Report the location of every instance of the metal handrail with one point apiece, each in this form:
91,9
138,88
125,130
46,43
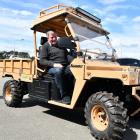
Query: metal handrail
56,7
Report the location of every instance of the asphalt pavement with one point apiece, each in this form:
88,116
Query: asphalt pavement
39,121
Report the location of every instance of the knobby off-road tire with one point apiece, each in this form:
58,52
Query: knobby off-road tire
12,93
105,116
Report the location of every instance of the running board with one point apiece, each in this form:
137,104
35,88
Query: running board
135,112
137,96
60,104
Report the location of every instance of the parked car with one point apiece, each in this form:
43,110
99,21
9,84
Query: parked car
129,62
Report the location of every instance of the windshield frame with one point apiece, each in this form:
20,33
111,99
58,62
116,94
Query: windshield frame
100,31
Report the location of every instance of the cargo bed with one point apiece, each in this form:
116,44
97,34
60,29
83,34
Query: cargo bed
21,69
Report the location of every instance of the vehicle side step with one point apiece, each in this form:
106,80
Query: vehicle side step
60,104
136,94
135,112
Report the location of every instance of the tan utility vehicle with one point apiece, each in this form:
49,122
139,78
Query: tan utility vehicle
105,88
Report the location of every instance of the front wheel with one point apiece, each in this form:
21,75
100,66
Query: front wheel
106,117
12,93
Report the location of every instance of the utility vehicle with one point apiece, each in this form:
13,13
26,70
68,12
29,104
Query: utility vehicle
108,91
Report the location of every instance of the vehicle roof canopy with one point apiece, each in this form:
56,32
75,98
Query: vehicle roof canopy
54,18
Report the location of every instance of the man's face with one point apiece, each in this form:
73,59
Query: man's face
52,39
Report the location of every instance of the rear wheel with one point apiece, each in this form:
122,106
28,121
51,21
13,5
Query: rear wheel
106,117
12,93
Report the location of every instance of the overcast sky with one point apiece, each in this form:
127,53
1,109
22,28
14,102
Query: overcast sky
120,17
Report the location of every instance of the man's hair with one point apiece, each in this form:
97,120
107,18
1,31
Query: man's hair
50,31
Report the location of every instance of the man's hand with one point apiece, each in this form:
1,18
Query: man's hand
57,65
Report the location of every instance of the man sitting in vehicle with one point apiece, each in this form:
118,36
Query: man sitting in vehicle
55,58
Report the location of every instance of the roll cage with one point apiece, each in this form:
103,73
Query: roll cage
60,18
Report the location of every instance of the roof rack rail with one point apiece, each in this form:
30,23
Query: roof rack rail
53,8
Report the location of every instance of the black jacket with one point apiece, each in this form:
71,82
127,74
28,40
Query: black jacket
49,55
